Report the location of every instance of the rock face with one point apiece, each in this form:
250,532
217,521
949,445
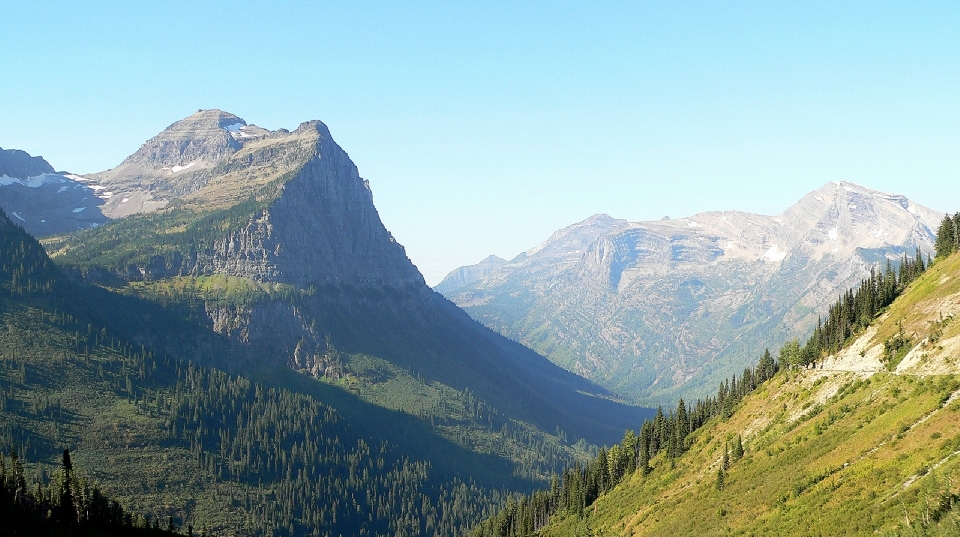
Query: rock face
43,201
657,310
184,158
304,216
322,229
20,165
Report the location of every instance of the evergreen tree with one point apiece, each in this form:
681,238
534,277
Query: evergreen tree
947,236
68,511
682,427
737,452
766,368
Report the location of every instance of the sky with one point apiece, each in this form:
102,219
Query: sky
483,127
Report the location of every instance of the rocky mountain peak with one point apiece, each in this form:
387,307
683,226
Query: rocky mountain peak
842,216
206,136
20,165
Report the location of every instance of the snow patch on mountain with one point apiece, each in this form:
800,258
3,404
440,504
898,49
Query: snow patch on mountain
177,169
32,182
774,255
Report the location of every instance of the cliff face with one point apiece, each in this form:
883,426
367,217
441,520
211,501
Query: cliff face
662,309
322,229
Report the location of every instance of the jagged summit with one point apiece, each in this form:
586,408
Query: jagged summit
289,207
206,136
212,158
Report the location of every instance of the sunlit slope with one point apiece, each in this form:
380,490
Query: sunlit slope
849,448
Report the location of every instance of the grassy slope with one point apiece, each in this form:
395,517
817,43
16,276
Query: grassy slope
827,453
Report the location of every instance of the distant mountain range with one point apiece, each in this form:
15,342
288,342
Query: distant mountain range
663,309
43,201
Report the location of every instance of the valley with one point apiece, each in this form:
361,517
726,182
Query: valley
229,339
251,340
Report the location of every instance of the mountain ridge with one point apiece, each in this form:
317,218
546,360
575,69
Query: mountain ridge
44,201
648,290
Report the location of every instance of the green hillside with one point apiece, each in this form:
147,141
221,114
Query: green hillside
114,378
853,445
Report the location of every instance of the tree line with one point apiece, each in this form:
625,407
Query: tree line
853,312
580,485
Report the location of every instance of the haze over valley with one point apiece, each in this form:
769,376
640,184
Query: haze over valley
488,270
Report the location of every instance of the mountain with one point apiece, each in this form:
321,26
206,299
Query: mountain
183,159
287,213
469,274
46,202
243,344
865,442
20,165
658,310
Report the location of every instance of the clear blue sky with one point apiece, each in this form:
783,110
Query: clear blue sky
485,126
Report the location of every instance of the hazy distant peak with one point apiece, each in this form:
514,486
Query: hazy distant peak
20,165
579,235
846,202
464,276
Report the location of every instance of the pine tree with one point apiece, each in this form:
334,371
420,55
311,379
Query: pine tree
946,242
682,428
737,453
68,511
